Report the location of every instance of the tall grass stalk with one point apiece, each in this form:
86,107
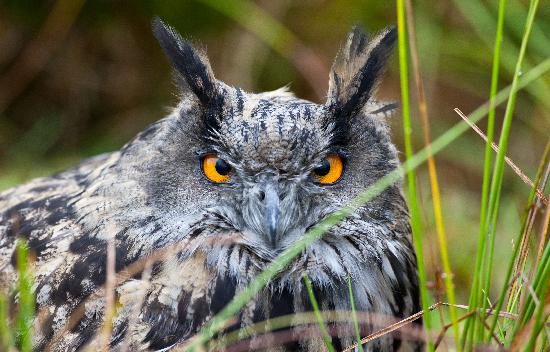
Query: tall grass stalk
434,183
110,287
25,313
413,202
219,321
322,327
498,170
474,296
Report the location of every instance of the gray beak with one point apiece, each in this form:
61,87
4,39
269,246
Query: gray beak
272,211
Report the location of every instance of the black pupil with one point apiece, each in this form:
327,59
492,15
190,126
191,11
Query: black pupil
222,167
322,169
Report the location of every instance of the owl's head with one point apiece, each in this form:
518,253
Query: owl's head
266,167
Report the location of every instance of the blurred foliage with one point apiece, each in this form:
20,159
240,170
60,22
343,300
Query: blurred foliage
104,79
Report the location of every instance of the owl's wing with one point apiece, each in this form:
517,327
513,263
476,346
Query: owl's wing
41,212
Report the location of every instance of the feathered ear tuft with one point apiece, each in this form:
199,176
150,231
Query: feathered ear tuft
357,69
191,64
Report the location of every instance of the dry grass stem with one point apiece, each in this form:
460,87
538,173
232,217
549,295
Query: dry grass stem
543,234
132,319
446,327
530,289
392,327
517,170
299,321
434,183
525,238
110,286
493,335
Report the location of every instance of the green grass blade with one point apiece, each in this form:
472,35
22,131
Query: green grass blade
496,182
473,303
25,313
258,283
354,316
416,224
326,337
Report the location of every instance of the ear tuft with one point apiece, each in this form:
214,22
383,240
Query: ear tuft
191,64
357,70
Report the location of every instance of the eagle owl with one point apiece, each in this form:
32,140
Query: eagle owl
235,178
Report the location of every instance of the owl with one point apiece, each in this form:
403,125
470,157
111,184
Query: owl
223,185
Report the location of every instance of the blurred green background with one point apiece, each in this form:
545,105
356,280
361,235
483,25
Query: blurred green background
78,78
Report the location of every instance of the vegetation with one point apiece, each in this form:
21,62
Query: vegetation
90,91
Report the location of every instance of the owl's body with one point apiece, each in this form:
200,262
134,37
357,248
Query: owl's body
156,195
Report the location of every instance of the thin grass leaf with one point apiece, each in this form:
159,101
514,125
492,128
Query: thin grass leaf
354,316
322,327
414,210
110,287
434,183
474,296
297,319
545,229
219,321
25,313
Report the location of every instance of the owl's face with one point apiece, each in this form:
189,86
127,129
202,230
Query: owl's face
269,165
269,160
234,178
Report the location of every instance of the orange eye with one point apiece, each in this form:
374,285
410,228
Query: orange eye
215,169
330,170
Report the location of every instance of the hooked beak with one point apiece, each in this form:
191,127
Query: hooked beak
272,211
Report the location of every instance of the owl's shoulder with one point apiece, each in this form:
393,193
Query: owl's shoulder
42,208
